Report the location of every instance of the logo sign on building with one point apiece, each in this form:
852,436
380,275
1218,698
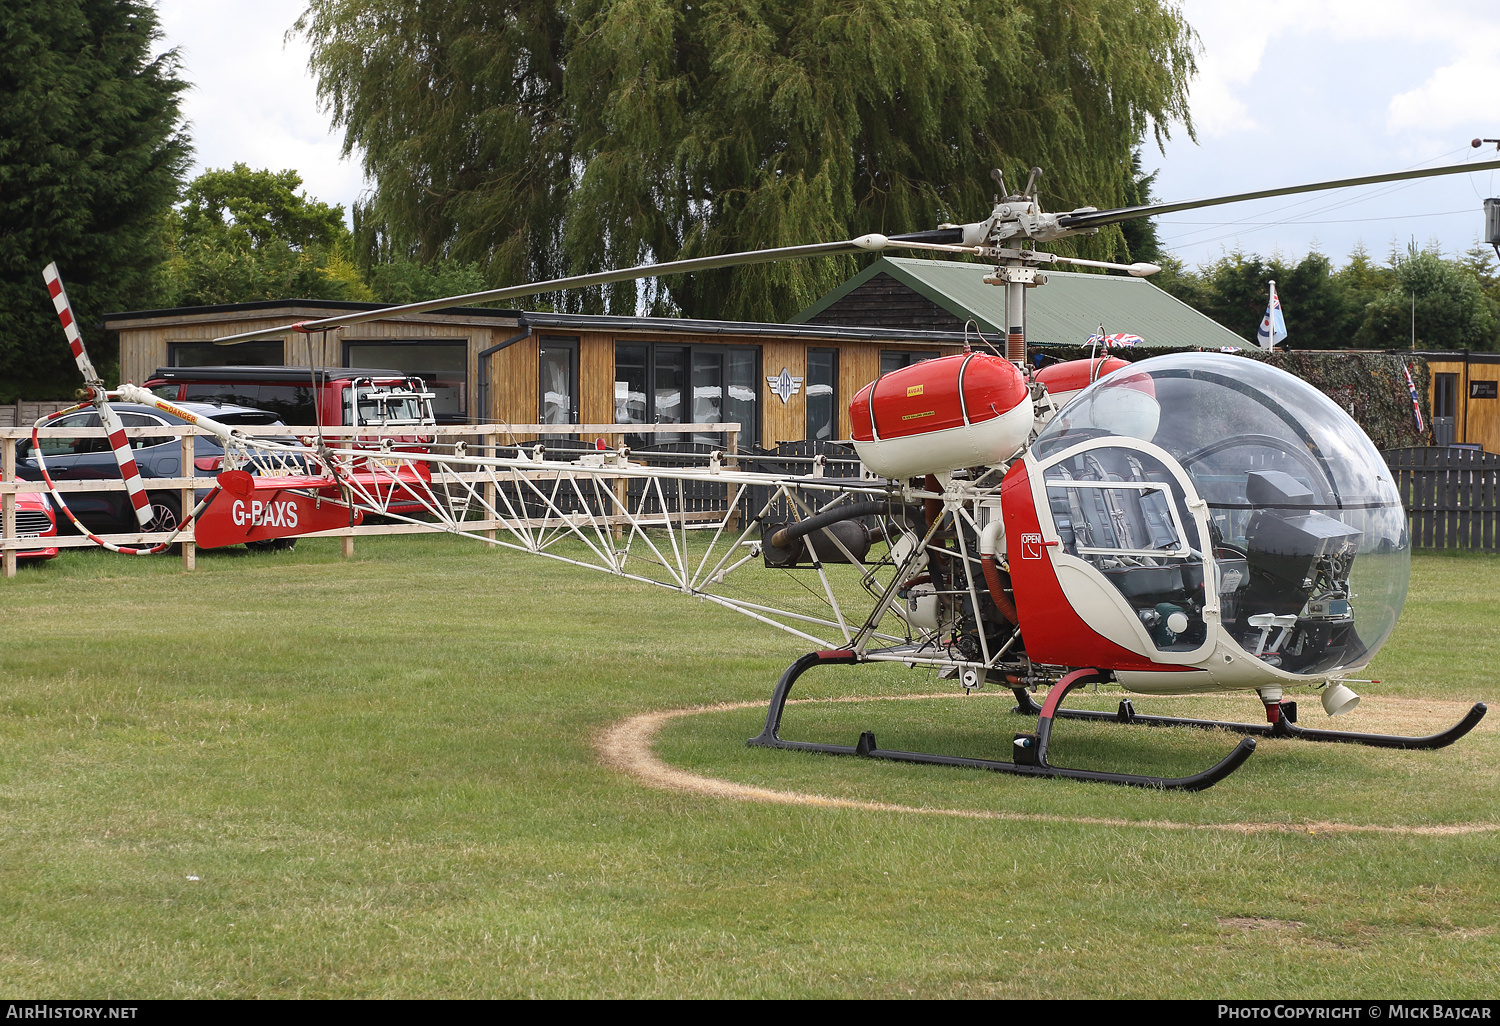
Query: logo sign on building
784,385
1477,389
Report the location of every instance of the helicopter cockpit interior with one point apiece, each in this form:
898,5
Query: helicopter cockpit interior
1307,547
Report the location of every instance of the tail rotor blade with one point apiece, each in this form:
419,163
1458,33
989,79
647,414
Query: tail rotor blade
120,446
70,325
118,443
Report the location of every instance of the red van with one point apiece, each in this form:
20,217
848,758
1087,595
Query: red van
388,401
389,404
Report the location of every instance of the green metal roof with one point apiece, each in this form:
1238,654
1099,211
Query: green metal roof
1065,311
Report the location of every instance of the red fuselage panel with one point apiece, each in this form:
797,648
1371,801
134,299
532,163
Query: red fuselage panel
1053,630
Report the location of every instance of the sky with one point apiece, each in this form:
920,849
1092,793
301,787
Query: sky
1288,91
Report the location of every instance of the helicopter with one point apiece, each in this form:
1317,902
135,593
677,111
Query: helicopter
1191,523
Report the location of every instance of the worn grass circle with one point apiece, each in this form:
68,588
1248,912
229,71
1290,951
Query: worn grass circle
1288,786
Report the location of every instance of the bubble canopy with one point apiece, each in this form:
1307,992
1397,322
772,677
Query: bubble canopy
1281,468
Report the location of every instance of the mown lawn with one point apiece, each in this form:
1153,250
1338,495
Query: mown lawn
291,775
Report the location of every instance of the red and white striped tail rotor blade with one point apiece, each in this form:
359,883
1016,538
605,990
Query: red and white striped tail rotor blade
70,325
120,445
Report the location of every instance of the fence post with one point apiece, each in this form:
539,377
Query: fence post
488,490
187,500
8,502
733,445
621,487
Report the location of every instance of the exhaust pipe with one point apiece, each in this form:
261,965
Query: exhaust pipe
791,532
989,540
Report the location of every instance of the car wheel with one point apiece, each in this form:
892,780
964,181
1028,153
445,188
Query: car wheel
166,513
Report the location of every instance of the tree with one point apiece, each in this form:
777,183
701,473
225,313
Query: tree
1140,236
1363,279
1234,291
243,235
541,139
1479,260
92,152
1439,301
403,280
1325,317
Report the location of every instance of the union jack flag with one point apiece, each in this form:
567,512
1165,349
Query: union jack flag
1416,405
1118,339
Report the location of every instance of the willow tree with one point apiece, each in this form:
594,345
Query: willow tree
539,139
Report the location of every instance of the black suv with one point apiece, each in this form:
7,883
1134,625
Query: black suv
91,459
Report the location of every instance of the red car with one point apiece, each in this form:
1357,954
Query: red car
35,519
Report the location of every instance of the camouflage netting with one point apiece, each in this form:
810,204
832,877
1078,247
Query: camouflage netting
1369,385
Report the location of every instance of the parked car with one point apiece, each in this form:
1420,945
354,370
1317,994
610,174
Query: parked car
35,519
90,459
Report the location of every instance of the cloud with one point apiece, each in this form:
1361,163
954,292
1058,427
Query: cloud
253,99
1234,43
1236,39
1461,93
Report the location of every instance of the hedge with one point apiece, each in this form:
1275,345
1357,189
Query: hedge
1370,386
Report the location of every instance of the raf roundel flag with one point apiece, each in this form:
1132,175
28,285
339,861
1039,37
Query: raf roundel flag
1273,325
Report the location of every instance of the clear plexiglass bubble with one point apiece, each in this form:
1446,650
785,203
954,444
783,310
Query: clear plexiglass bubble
1303,512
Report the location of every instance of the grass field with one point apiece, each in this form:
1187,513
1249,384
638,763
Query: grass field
291,775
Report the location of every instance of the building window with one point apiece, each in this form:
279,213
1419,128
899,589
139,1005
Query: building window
821,389
891,360
206,354
557,384
442,366
657,383
1444,394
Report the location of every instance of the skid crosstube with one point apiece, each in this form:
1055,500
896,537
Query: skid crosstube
1284,726
1031,749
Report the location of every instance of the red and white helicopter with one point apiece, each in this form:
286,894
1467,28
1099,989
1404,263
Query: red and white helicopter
1185,524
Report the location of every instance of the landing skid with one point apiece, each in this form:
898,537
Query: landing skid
1284,724
1031,749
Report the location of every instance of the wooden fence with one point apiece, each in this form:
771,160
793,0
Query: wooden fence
481,439
23,413
1451,495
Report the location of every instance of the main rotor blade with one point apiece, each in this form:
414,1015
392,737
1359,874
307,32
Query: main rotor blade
866,243
1096,218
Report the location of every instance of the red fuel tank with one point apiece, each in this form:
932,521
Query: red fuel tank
1065,380
968,410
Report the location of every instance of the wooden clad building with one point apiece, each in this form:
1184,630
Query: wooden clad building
1465,392
782,382
442,347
